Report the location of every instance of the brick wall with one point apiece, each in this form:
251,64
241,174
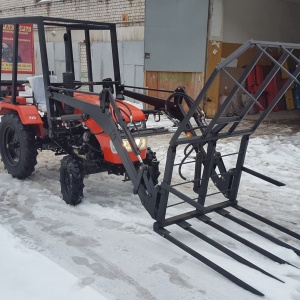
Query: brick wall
94,10
128,14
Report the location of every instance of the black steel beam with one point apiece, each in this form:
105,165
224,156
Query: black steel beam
55,21
239,169
15,64
267,221
279,65
263,177
164,192
279,95
186,226
158,103
182,196
89,58
267,236
217,118
204,140
191,214
46,78
208,165
166,234
70,52
240,239
115,56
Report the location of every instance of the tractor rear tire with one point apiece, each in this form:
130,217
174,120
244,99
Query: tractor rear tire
71,180
17,146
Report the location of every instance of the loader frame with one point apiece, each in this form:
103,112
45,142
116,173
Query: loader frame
200,138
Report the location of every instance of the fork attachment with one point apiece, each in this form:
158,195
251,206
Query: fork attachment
213,186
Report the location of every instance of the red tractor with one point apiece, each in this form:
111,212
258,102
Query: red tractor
63,128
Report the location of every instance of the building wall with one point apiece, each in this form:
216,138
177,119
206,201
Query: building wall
129,16
175,35
236,21
93,10
268,20
175,45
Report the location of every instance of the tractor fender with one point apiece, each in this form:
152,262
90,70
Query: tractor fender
28,114
104,142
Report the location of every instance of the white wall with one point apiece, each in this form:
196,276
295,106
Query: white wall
216,20
175,35
131,57
268,20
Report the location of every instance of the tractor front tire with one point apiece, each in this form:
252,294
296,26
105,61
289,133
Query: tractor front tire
153,164
17,146
71,180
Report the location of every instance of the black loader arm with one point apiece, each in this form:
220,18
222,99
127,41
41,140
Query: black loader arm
141,178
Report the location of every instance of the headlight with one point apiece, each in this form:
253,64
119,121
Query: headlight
140,142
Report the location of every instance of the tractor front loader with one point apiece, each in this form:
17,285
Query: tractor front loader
98,131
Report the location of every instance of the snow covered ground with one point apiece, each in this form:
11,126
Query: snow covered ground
105,248
27,274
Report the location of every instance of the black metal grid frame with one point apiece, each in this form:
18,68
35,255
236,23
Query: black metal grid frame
220,128
225,127
44,22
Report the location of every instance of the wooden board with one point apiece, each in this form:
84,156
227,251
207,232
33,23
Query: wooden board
192,81
289,99
214,53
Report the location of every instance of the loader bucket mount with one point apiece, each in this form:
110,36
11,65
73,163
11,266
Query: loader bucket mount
214,187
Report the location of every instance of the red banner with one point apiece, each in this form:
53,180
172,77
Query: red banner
25,53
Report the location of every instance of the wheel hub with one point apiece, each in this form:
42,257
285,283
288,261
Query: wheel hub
12,143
